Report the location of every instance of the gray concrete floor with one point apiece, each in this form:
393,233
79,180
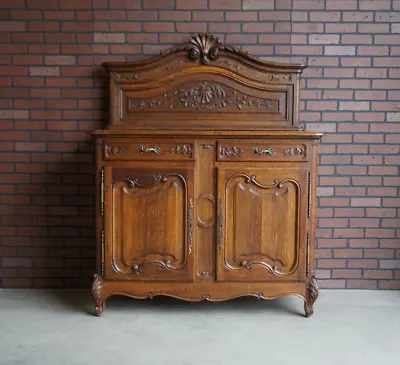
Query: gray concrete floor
43,327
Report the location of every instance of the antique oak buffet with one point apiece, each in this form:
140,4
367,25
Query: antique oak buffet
206,183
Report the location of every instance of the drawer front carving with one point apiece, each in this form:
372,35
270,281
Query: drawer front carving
148,150
262,150
230,151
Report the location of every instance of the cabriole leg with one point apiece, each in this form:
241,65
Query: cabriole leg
312,295
97,292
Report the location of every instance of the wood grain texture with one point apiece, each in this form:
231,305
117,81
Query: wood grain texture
263,229
206,210
200,204
262,150
242,134
150,213
204,84
148,150
196,292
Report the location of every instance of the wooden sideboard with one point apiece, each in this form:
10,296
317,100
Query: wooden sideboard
205,180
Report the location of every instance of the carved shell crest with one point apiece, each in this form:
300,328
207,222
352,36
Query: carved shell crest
205,47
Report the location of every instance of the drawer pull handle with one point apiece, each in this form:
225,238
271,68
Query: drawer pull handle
266,151
156,150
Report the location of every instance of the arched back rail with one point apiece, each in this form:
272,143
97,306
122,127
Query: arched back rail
204,84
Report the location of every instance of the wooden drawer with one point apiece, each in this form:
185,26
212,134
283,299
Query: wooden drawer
262,150
153,150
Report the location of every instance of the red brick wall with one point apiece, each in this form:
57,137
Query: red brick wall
53,93
353,48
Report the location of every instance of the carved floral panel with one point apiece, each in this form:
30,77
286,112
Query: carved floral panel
205,96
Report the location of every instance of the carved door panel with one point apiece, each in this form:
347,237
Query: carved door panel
150,223
262,224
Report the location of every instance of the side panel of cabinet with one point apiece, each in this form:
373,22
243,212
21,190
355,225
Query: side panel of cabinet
149,223
262,223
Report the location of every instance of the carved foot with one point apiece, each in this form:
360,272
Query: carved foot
312,295
98,310
97,292
309,310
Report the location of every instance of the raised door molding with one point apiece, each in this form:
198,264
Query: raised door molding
260,224
152,225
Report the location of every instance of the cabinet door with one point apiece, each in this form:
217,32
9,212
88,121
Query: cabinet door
149,223
262,223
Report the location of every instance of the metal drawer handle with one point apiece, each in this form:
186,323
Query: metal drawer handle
156,150
265,151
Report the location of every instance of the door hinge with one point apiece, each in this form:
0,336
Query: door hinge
308,258
102,251
309,194
221,228
102,192
190,224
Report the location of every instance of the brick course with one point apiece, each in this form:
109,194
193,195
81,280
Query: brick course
54,92
358,152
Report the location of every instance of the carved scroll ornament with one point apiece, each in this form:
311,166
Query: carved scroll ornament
230,151
295,151
115,150
206,49
127,76
184,150
235,66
